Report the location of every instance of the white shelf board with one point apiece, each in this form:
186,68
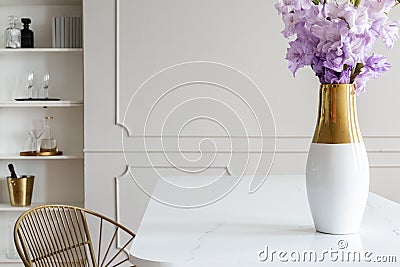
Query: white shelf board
8,207
4,259
40,2
32,104
17,157
5,51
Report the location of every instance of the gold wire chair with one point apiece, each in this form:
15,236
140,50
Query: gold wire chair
60,235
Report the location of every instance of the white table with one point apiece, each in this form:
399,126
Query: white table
237,229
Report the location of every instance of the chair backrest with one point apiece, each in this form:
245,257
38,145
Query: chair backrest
60,235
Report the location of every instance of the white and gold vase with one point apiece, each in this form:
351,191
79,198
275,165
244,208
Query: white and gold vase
337,173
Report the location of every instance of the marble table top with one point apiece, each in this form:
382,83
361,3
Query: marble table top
270,227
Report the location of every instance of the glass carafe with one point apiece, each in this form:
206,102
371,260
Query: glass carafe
12,33
48,143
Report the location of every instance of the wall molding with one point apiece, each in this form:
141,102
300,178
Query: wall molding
105,151
384,151
117,206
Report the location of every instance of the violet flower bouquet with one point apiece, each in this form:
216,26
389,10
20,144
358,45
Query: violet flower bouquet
335,38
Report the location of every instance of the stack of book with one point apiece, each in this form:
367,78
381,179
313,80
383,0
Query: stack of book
67,32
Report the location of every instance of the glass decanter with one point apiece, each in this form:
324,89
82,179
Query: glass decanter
12,33
48,142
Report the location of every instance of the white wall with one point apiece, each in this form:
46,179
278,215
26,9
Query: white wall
155,34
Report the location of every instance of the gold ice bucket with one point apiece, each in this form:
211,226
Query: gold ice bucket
20,190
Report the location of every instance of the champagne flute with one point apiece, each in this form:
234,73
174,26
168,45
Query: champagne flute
46,81
30,84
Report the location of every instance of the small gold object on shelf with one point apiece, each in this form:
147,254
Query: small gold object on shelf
40,153
20,190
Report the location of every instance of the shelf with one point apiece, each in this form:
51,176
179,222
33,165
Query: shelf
33,104
5,51
4,259
8,207
40,2
17,157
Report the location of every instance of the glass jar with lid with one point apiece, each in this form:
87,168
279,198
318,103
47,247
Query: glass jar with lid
12,33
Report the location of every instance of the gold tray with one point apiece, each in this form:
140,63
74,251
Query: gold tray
38,153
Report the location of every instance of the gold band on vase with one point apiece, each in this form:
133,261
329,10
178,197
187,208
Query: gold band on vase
337,121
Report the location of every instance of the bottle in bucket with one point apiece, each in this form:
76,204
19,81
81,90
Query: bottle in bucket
20,188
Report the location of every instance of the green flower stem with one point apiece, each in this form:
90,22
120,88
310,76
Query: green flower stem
356,3
356,71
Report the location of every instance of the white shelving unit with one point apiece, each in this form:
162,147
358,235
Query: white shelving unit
62,157
33,104
58,179
5,260
8,207
7,51
40,2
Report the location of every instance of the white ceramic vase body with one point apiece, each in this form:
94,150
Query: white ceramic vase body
337,173
337,186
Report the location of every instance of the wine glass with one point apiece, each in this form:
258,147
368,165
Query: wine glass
30,84
46,81
35,135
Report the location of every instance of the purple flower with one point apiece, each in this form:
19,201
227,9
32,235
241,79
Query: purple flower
337,59
329,76
379,6
362,21
317,65
343,11
287,6
300,54
335,38
374,66
361,81
330,30
390,33
293,12
345,76
290,6
290,21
